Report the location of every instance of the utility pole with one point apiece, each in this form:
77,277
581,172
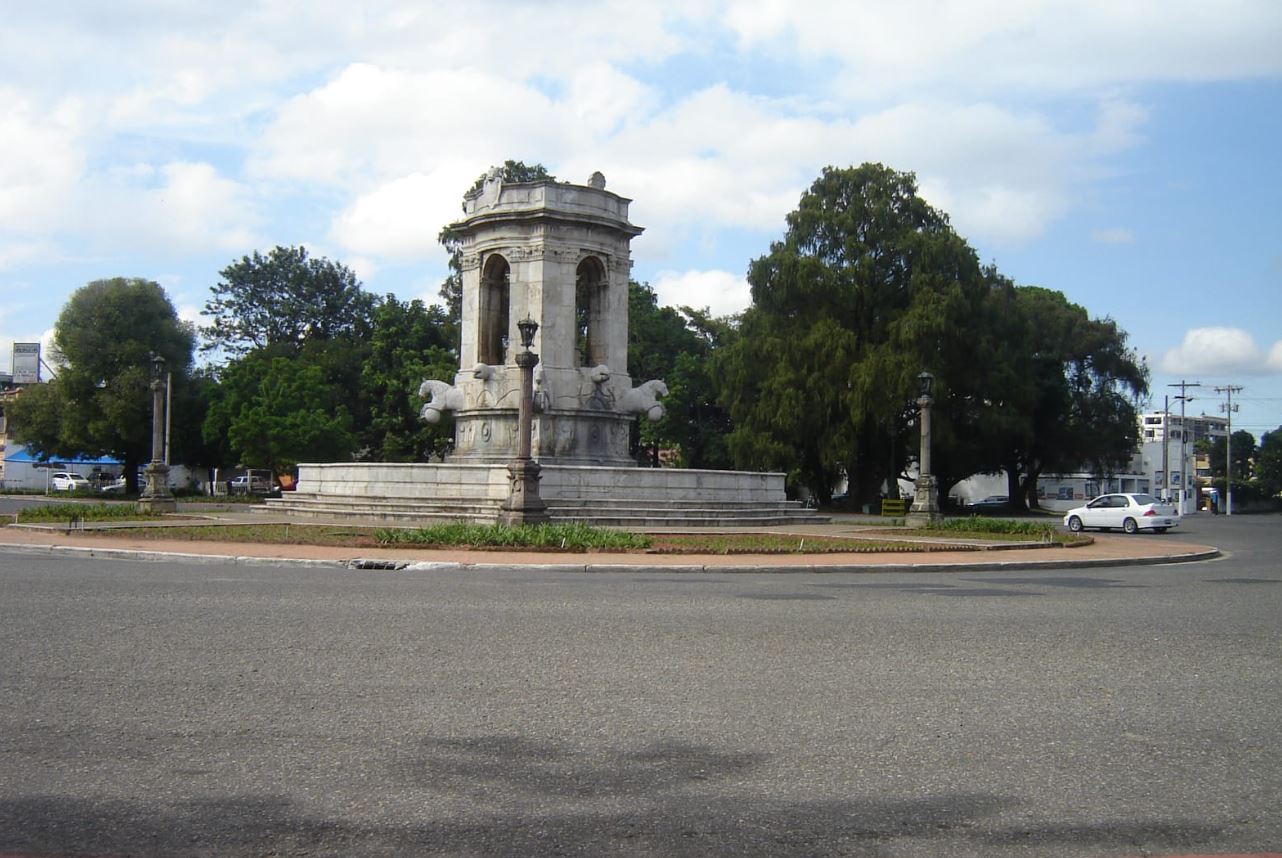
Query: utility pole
1228,408
1183,398
1166,439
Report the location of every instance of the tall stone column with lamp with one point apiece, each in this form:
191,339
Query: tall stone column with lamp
156,496
524,505
926,498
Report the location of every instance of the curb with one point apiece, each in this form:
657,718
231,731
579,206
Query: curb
387,565
162,556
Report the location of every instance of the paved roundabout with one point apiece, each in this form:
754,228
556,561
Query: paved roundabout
1104,550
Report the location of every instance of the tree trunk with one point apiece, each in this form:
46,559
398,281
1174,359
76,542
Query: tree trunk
131,475
1014,490
1029,489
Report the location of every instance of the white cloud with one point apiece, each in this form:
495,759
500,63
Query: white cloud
1221,351
191,313
1274,360
402,218
375,117
185,207
886,50
720,292
40,162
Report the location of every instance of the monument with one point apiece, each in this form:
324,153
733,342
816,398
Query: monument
545,271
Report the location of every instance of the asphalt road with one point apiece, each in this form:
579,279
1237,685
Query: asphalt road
158,709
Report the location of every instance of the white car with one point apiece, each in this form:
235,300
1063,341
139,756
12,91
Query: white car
1128,512
68,481
113,487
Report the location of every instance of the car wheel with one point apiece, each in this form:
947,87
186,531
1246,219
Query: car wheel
1130,526
1075,524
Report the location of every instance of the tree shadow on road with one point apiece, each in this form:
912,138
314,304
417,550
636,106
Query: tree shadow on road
525,797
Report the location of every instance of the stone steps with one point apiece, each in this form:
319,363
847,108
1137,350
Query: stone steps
605,512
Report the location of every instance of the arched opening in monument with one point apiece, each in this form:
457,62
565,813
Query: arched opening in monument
495,301
589,311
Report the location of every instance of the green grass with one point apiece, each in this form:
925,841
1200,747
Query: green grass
57,512
778,543
980,525
576,538
995,530
559,537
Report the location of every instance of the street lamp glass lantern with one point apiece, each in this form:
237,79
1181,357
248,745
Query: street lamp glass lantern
528,328
925,381
157,365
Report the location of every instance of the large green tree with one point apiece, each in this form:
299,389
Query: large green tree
276,411
308,311
1268,462
285,298
1071,393
1243,450
410,342
865,290
100,401
674,345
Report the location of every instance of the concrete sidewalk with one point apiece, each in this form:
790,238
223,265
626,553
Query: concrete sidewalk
112,541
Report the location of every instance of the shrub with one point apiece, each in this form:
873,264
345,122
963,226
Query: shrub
82,511
977,524
563,537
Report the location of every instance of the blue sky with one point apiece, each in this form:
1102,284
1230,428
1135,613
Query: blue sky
1128,154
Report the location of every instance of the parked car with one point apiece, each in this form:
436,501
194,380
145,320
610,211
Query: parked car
995,503
254,482
1128,512
68,481
113,487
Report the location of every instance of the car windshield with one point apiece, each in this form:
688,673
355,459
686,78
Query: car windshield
1141,500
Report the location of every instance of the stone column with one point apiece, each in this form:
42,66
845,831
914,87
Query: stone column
926,497
155,497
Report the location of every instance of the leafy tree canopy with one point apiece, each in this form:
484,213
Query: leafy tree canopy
100,401
1071,396
676,346
1243,451
864,290
410,342
1268,462
276,412
285,298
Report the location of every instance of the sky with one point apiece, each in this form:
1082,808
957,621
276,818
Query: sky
1127,153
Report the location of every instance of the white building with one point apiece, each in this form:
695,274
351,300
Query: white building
1160,425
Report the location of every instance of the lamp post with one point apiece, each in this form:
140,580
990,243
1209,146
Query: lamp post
155,495
524,506
926,497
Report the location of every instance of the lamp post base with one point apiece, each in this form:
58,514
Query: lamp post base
524,506
155,497
925,502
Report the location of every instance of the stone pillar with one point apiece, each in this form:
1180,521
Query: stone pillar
155,497
926,497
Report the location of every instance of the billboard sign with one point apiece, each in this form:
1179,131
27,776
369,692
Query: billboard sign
26,363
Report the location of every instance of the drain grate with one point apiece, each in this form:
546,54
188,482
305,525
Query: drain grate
387,565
